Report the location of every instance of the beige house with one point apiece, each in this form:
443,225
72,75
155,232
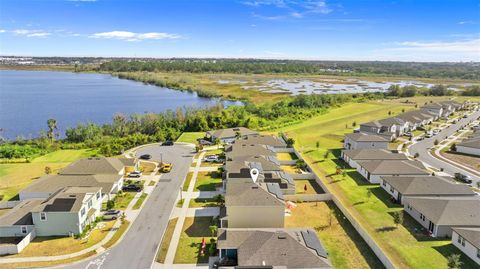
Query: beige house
268,140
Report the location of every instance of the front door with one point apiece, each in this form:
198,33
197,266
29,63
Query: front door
399,198
431,227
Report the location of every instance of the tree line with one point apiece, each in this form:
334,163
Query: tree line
436,90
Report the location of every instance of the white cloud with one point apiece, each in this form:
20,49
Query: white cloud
296,9
472,46
2,31
466,22
30,33
131,36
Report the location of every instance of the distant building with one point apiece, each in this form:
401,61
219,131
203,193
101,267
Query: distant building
365,141
229,135
470,146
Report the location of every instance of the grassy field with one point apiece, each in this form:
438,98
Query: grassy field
14,177
207,181
53,246
167,237
140,201
345,247
202,202
189,245
190,137
122,201
374,212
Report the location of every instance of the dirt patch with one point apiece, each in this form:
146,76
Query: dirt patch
466,160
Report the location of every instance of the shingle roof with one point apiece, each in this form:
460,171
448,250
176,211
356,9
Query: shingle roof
394,167
250,194
231,132
472,235
52,183
262,140
128,161
433,105
362,137
69,199
20,214
385,122
415,116
237,150
93,165
427,186
373,154
280,248
269,163
458,211
471,143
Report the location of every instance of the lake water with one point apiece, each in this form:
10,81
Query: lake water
29,98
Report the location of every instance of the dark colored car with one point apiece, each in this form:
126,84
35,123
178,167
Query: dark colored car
145,157
133,188
463,178
167,143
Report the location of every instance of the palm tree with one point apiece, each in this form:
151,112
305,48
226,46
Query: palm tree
52,128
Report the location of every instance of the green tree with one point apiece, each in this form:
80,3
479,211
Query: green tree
453,147
48,170
52,129
290,142
110,204
317,144
398,217
454,261
213,229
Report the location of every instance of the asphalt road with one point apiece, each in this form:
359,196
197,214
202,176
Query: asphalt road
423,148
138,247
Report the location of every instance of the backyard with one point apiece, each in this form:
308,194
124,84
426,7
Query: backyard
190,137
189,245
368,203
311,187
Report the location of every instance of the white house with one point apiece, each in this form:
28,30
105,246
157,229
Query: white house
365,141
353,156
393,127
373,171
467,240
470,146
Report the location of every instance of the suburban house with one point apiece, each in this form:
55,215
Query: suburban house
269,163
353,156
130,164
251,205
390,127
373,171
470,145
271,248
416,119
435,109
440,214
239,150
68,211
45,186
95,165
468,241
454,105
401,187
365,141
18,222
268,140
229,135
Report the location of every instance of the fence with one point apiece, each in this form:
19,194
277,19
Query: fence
287,162
308,197
9,204
17,248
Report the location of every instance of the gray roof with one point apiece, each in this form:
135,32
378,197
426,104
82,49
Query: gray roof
471,143
69,199
394,167
451,103
237,150
280,248
230,132
269,140
458,211
94,165
362,137
250,194
432,105
373,154
128,161
415,116
385,122
20,214
472,235
52,183
269,163
427,186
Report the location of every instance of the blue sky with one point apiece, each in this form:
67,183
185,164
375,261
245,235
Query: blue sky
420,30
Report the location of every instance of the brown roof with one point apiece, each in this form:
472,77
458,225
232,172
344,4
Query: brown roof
20,214
458,211
268,140
394,167
470,143
280,248
238,150
128,161
373,154
427,185
231,132
472,235
94,165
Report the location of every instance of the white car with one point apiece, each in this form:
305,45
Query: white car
136,174
212,159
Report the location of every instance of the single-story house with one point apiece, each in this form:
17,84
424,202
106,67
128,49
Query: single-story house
416,119
18,222
365,141
45,186
393,126
470,146
400,187
68,211
353,156
373,171
253,205
229,135
468,241
268,140
269,163
95,166
130,164
440,214
271,248
239,150
435,109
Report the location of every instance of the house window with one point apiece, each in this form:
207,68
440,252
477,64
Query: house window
43,216
478,252
98,195
24,229
409,207
384,183
461,240
90,203
391,189
422,217
82,212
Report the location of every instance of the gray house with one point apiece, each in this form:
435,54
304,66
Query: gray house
440,214
353,156
240,150
250,205
271,248
467,240
268,140
435,109
416,119
373,171
365,141
391,127
18,222
401,187
68,211
228,135
95,166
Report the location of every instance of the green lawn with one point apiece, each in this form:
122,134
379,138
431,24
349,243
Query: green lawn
122,201
187,181
14,177
407,250
312,187
140,201
189,245
167,237
190,137
202,202
286,156
207,181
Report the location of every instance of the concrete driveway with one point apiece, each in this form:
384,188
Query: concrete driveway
423,148
139,245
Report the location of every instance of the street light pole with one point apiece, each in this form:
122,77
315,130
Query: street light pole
181,198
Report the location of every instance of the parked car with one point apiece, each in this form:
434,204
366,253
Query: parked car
133,188
463,178
429,134
166,167
145,157
136,174
436,131
408,134
420,138
112,214
211,159
167,143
